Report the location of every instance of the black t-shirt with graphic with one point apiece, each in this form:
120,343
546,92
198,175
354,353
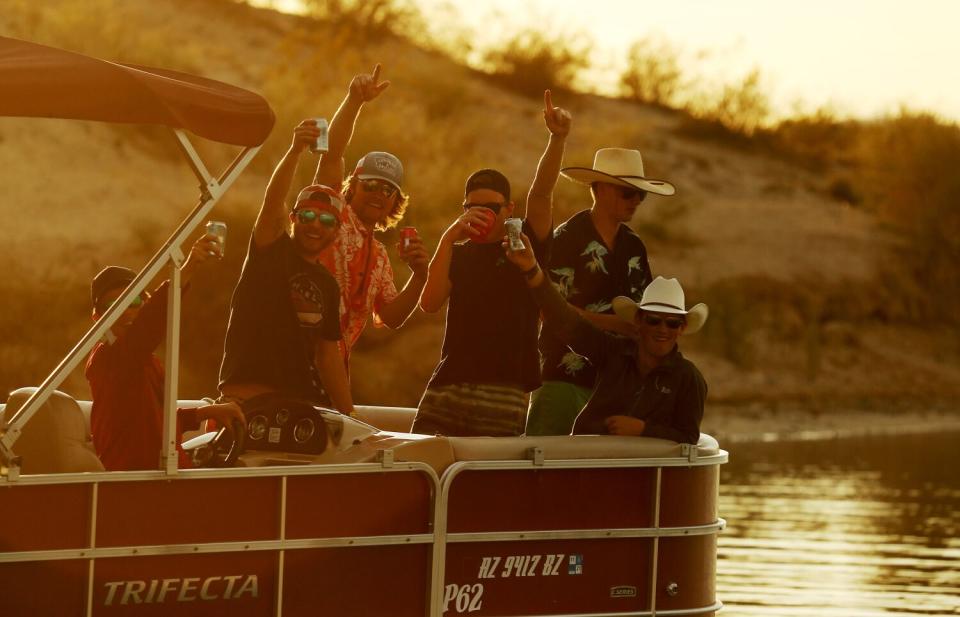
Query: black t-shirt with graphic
492,319
589,276
282,306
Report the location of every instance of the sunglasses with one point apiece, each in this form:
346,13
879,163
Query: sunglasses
137,302
492,205
374,186
324,218
631,193
654,321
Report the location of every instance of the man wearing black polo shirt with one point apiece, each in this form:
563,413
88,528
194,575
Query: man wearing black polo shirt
594,258
489,360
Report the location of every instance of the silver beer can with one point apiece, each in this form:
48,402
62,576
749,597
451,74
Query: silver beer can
218,229
323,139
514,226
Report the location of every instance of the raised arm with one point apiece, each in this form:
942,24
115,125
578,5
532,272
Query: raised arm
272,219
364,87
540,198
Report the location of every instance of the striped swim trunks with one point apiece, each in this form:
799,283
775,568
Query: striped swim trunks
470,410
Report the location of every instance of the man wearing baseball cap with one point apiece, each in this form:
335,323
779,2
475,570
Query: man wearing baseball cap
644,385
373,201
284,330
595,257
126,377
489,359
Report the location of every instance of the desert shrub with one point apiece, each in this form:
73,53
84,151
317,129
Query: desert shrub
741,107
910,179
653,74
816,140
531,61
842,189
363,20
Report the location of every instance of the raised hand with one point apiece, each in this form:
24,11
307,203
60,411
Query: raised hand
305,135
367,86
524,260
557,119
474,223
415,256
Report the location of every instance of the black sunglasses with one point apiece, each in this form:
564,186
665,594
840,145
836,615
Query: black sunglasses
371,185
630,193
655,320
324,218
492,205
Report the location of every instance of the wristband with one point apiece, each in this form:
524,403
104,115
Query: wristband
532,272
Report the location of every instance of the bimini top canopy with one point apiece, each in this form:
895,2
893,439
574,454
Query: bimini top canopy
40,81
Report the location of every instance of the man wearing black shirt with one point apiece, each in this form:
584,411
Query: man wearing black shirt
489,360
284,323
595,257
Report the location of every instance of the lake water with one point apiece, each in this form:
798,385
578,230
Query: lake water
857,527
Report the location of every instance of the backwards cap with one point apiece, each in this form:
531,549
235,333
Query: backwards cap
110,278
488,179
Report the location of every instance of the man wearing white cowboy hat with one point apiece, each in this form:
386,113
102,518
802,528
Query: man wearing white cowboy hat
644,385
595,257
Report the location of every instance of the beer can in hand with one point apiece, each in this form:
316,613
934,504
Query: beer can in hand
218,229
406,235
323,139
514,226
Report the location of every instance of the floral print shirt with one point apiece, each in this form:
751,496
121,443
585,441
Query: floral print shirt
589,276
361,266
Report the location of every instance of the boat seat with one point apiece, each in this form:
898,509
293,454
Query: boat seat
559,447
56,439
394,419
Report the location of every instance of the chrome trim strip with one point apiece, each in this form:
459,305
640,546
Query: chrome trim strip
236,472
587,534
212,547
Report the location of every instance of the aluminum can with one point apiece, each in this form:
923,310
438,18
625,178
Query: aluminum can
323,139
218,229
406,235
514,226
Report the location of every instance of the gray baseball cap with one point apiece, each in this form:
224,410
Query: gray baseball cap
382,166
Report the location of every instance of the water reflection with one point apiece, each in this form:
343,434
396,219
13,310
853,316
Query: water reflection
851,527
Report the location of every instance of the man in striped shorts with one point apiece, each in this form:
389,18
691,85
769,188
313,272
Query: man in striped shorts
489,360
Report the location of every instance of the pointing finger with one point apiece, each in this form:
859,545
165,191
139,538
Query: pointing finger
376,72
547,101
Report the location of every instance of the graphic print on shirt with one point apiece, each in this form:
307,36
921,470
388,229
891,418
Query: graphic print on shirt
307,300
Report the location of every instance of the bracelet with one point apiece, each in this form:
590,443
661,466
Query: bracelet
532,272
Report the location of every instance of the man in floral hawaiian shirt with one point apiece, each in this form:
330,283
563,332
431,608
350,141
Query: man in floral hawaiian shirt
375,201
595,257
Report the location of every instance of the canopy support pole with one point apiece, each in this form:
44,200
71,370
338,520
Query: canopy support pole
170,253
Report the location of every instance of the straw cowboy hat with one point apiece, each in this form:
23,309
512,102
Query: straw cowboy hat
662,296
621,167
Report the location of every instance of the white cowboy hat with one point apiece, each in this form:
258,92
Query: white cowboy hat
621,167
662,296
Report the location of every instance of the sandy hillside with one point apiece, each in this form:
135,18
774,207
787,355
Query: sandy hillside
753,236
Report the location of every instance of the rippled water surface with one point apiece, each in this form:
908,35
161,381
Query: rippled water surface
851,527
